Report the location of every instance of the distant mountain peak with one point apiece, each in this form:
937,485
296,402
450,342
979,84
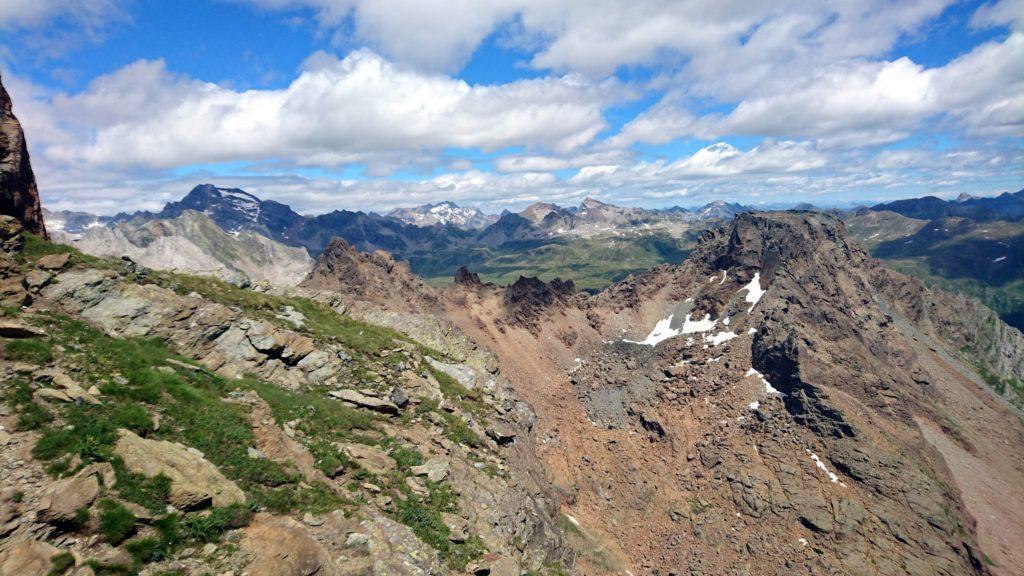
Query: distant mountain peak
443,213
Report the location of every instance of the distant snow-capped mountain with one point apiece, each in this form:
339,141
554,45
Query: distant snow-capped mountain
449,213
73,223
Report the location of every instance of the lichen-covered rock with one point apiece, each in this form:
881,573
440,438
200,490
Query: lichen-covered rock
195,482
396,551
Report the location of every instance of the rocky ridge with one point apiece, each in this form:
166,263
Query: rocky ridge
411,461
814,411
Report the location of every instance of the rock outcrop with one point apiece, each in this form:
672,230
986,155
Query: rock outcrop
19,196
195,482
375,279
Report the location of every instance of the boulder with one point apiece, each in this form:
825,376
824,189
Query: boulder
15,329
54,261
435,469
65,497
370,458
282,546
27,558
37,279
502,433
364,401
195,482
462,373
396,551
68,386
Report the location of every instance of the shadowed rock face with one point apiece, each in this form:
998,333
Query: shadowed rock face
530,298
18,194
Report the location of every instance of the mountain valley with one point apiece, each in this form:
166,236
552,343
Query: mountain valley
230,387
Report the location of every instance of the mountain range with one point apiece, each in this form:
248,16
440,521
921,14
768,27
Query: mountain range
775,401
435,239
1006,206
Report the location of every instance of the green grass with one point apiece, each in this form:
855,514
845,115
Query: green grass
591,263
61,563
31,351
117,523
190,404
323,420
151,493
31,415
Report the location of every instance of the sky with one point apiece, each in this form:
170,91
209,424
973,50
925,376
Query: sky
373,104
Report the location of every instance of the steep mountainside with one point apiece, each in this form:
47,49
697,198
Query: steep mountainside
374,279
235,210
982,259
779,403
193,242
19,196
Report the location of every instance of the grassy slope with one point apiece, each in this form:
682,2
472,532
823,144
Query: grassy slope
592,263
137,383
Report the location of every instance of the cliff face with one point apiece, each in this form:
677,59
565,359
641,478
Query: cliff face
18,194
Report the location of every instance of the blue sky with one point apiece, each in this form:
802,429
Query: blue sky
364,104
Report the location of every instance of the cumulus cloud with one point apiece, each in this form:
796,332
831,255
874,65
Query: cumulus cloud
860,102
817,89
358,109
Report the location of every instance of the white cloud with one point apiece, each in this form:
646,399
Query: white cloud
859,102
34,13
1000,13
359,109
722,159
552,163
598,37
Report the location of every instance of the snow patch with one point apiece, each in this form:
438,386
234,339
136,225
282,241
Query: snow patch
754,291
754,405
752,331
831,475
1000,259
663,330
768,388
717,339
573,520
